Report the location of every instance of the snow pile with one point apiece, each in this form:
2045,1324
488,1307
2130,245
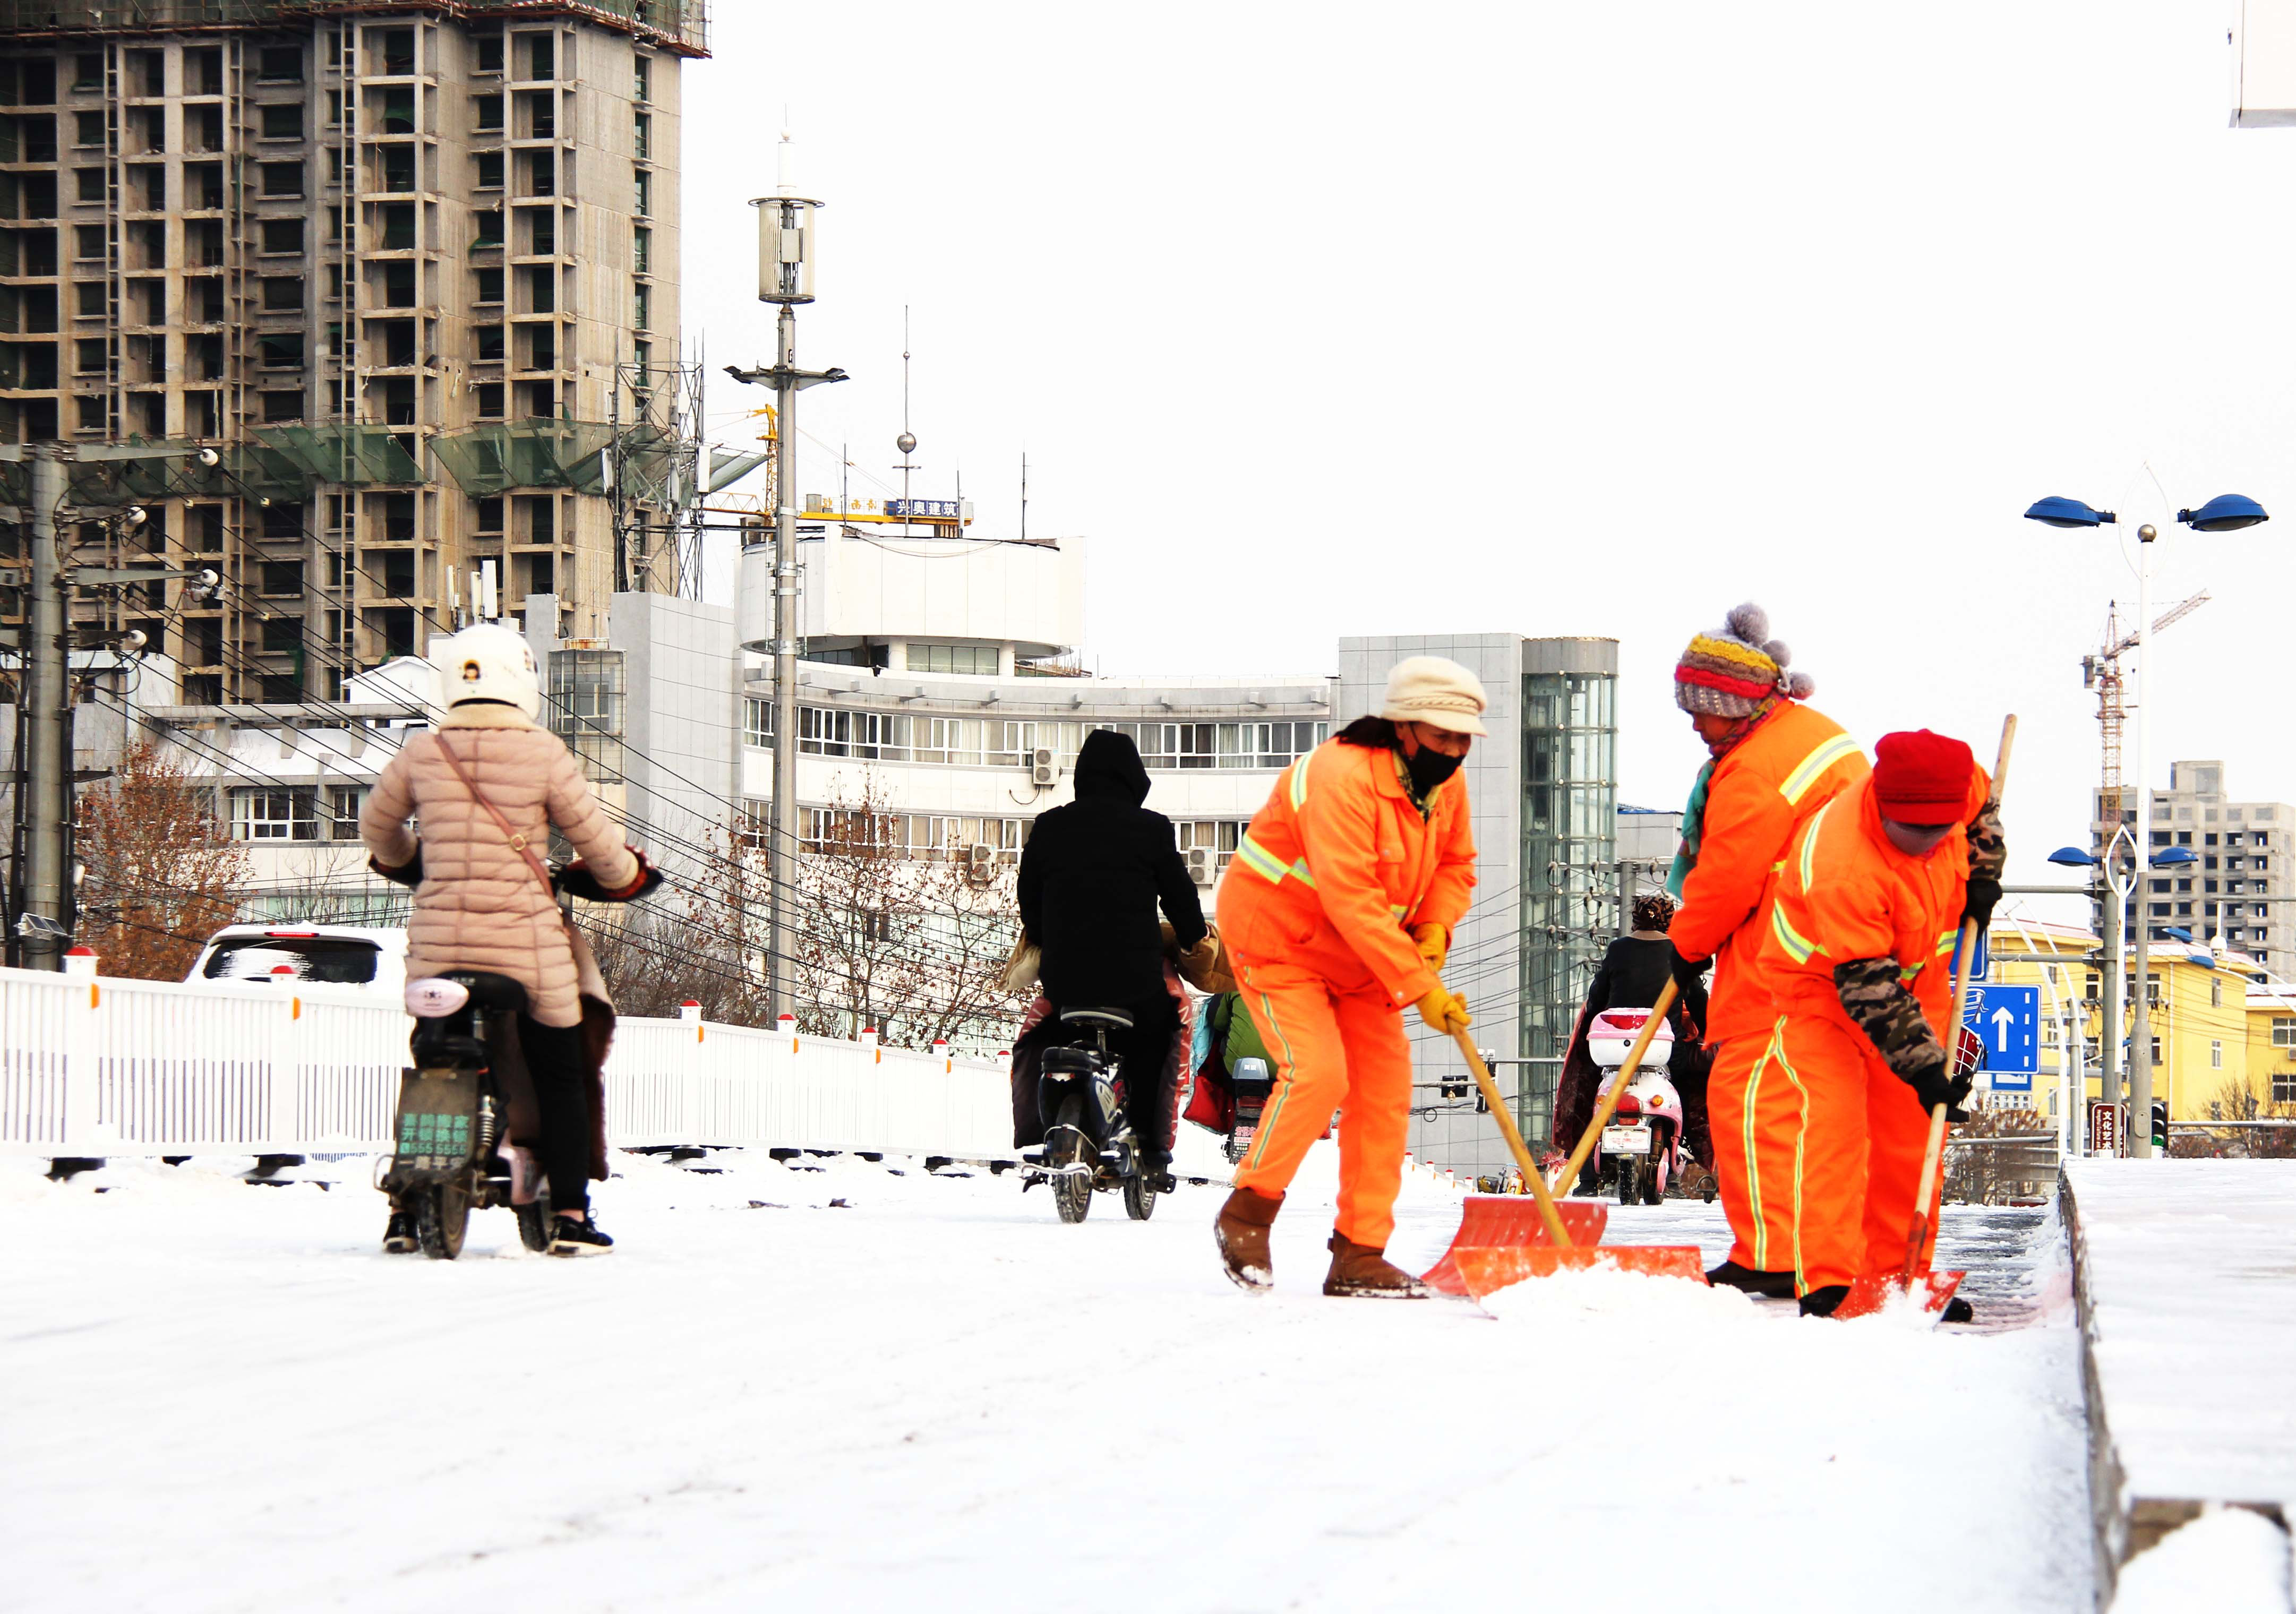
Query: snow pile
2229,1561
834,1384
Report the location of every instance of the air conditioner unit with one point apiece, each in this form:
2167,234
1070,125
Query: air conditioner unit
981,863
1204,864
1043,765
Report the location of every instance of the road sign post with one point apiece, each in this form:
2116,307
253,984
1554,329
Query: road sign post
2007,1019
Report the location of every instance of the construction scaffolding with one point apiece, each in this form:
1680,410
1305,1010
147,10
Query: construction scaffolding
655,476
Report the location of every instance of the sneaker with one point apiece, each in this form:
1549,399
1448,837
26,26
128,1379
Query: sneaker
570,1237
398,1234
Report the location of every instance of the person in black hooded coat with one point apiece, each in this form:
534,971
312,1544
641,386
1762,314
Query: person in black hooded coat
1092,875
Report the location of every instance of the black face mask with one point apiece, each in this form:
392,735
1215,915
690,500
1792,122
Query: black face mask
1429,768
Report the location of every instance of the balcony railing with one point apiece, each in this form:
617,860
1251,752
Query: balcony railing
681,24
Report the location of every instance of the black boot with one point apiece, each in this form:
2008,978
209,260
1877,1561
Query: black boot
1769,1285
572,1237
1821,1302
398,1234
1958,1310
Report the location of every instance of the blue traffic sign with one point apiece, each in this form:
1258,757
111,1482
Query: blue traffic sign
2007,1019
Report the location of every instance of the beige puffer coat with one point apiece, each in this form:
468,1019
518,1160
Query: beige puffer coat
480,905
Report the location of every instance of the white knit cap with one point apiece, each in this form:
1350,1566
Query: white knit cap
1430,689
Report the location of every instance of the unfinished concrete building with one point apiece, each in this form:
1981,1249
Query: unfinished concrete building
410,268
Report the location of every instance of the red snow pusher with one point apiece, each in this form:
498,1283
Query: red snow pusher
1503,1239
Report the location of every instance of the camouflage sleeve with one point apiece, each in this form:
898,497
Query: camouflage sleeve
1988,851
1877,1001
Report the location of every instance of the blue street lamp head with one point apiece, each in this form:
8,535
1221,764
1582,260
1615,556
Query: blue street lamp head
2180,934
2073,857
2226,512
2169,855
2059,511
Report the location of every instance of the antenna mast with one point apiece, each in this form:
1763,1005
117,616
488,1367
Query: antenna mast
906,442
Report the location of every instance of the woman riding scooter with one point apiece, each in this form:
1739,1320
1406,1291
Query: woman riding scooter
484,900
1634,972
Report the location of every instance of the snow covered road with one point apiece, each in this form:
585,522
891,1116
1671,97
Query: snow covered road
221,1397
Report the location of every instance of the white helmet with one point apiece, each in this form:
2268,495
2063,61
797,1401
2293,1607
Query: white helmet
488,662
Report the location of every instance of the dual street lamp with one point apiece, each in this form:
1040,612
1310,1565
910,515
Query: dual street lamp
2227,512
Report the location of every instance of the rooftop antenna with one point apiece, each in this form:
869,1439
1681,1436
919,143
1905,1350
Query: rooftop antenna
1024,496
906,442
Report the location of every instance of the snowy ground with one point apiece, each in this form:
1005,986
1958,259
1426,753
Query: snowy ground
932,1394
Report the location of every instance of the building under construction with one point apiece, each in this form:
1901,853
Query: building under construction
407,272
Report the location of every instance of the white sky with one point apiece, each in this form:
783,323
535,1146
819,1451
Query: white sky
1587,319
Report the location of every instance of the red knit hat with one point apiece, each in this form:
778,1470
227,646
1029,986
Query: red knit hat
1922,778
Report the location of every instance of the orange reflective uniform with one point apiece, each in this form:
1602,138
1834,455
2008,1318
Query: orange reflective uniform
1762,791
1848,1133
1315,910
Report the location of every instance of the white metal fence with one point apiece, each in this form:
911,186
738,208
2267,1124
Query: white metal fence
90,1066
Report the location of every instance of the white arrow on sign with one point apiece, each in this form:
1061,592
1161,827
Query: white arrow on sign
2002,1021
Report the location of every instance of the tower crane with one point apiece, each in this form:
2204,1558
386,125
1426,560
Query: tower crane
2102,673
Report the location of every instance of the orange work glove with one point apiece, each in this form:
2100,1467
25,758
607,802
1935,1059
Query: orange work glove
1444,1011
1434,943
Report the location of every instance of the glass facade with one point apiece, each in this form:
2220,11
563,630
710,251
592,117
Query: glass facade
1570,839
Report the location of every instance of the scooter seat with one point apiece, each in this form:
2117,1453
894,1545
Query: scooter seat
1115,1019
489,990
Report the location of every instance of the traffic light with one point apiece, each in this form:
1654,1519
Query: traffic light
2160,1124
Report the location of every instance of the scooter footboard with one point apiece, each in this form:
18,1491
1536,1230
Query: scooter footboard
436,1127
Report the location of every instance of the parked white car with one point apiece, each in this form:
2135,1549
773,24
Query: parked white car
371,959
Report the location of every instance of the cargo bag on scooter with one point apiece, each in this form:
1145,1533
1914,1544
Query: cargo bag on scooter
437,1128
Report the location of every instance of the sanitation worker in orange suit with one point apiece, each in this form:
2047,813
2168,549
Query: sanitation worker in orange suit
1862,941
1775,763
1338,911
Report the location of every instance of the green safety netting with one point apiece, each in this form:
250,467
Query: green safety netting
280,463
488,460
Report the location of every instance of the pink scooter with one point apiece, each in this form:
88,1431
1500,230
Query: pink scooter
1645,1132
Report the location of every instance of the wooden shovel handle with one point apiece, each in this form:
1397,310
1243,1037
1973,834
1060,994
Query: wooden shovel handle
1917,1235
1610,1104
1515,1146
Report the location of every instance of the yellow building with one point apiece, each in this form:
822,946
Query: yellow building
2219,1028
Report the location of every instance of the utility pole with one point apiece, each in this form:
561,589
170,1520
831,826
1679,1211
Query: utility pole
787,231
43,793
46,792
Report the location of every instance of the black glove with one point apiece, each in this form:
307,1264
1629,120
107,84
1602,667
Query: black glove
1933,1086
1687,971
1977,907
576,880
408,873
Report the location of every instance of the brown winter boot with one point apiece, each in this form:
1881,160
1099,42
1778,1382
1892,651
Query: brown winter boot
1241,1232
1359,1272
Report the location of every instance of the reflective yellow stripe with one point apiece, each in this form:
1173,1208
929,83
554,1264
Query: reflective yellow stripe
1946,941
1269,867
1397,910
1801,1139
1788,937
1807,773
1809,847
1753,1166
1298,773
1275,1111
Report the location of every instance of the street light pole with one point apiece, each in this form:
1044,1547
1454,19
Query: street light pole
2140,1021
47,782
787,235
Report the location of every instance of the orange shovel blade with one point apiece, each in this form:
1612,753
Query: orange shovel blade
1511,1221
1868,1294
1482,1271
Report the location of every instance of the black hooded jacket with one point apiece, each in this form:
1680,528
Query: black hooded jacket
1092,876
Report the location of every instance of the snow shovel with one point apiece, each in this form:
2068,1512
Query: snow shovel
1869,1292
1498,1244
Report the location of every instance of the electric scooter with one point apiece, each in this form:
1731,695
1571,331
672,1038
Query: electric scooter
1089,1146
1644,1136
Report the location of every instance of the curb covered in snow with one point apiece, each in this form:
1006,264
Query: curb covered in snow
2126,1521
